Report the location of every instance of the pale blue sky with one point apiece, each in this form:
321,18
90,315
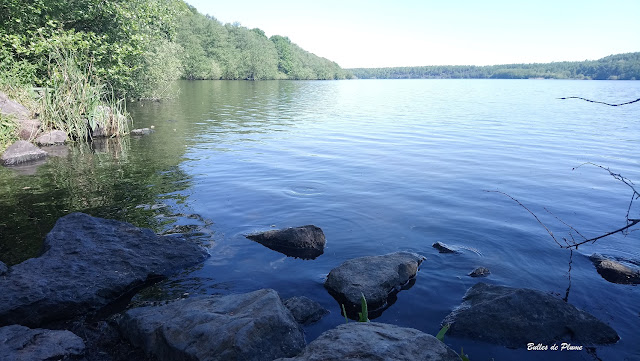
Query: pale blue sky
358,33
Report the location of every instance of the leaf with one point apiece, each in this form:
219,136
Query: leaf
443,330
463,356
344,312
364,315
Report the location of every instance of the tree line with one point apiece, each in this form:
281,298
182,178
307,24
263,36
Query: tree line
138,46
613,67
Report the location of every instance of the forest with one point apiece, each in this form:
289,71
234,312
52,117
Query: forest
137,47
613,67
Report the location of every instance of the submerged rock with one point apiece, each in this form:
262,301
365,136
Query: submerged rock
375,341
378,278
480,272
54,137
514,317
305,242
87,264
19,343
614,271
443,248
142,131
305,310
21,152
252,326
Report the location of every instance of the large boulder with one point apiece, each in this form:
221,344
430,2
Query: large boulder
253,326
305,242
614,271
87,264
375,341
378,278
19,343
514,317
305,310
21,152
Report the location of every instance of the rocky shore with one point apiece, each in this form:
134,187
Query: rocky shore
69,303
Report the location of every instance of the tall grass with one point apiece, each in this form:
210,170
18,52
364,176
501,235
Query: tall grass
8,131
78,103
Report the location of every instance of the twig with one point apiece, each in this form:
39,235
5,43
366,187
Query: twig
595,101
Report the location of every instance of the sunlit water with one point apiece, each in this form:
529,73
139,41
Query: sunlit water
381,166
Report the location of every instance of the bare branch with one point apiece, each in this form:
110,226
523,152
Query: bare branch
632,223
595,101
533,214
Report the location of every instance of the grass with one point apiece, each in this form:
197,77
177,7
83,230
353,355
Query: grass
8,132
79,104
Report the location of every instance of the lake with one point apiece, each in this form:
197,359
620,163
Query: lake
381,166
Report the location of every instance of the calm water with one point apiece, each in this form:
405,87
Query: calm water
380,166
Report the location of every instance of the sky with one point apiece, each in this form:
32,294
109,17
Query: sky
358,33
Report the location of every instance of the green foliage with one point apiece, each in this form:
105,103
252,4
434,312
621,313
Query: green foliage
364,315
620,66
463,357
443,330
344,312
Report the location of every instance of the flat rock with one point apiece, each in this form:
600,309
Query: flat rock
142,131
21,152
305,242
19,343
375,341
253,326
444,248
614,271
514,317
305,310
378,278
480,272
87,264
54,137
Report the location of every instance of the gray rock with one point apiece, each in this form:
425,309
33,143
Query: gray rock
614,271
305,310
142,131
514,317
87,264
54,137
29,128
21,152
3,268
305,242
19,343
443,248
375,341
11,108
252,326
480,272
379,278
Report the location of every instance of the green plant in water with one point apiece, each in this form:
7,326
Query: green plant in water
78,103
362,316
440,336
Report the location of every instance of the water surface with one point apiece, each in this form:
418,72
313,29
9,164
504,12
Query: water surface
381,166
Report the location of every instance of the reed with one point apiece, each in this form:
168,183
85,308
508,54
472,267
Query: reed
8,131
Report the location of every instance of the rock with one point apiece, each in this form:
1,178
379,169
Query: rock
10,108
480,272
21,152
305,310
87,264
54,137
305,242
142,131
29,128
375,341
3,268
514,317
18,343
379,278
614,271
443,248
252,326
